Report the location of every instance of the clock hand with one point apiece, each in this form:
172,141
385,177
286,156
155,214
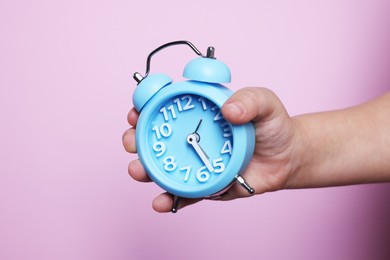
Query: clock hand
193,140
196,130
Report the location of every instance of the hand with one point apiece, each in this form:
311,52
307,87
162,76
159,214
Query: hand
275,156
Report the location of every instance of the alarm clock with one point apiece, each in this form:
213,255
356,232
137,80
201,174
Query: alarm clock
184,143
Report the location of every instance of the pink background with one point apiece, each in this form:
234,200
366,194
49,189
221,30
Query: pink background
65,90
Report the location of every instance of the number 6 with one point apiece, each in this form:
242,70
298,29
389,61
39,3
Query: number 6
202,175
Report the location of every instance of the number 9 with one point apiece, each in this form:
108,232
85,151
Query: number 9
159,148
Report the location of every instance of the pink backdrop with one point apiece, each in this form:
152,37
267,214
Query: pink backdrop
65,89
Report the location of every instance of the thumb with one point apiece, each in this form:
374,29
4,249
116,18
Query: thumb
252,104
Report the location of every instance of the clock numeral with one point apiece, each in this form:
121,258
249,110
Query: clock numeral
219,166
227,147
203,103
218,116
187,174
187,106
164,130
178,104
202,175
171,109
169,163
159,148
227,129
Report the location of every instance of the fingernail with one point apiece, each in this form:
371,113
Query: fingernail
235,108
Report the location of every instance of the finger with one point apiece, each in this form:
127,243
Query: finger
137,171
132,117
163,202
128,140
249,104
234,192
254,177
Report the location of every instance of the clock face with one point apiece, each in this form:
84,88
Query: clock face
189,143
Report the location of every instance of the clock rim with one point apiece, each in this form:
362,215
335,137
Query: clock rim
242,134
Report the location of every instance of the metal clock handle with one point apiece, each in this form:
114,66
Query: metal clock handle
175,204
239,179
244,184
210,54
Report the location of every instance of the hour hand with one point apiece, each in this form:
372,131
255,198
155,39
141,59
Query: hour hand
193,139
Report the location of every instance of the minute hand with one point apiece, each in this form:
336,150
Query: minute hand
192,139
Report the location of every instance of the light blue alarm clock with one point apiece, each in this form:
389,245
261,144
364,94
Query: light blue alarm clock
182,139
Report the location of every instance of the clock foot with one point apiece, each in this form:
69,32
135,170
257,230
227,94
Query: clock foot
175,203
244,184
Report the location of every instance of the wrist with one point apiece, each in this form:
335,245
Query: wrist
302,153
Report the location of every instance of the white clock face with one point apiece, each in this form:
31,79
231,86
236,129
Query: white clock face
189,140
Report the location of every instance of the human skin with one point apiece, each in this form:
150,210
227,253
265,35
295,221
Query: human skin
343,147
